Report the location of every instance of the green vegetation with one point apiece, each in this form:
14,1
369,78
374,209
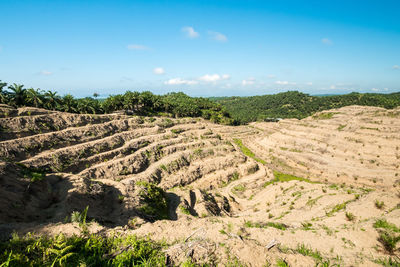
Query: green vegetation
306,226
324,116
153,201
311,202
389,262
245,150
307,251
298,105
389,240
350,216
138,103
238,189
283,177
281,263
93,250
383,224
279,226
337,208
185,210
80,217
379,204
34,174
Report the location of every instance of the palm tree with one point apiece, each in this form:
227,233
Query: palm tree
34,97
113,103
52,100
18,94
130,100
3,95
68,103
86,105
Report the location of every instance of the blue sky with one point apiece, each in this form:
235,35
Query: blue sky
203,48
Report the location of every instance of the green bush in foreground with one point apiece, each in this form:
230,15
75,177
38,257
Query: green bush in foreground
153,201
93,250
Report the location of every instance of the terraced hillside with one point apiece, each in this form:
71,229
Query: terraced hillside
318,191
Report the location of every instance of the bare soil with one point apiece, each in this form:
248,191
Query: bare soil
223,206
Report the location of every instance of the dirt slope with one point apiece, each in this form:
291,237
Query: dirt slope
224,205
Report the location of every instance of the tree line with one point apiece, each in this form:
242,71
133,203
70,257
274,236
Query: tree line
138,103
294,104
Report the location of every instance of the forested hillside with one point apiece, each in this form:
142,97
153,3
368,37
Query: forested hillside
293,104
137,103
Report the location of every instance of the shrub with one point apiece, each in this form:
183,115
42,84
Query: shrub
153,201
389,240
379,204
350,216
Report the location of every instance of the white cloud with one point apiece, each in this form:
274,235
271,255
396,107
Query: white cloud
332,87
282,82
214,77
395,67
226,76
45,73
271,76
217,36
285,83
180,81
190,32
137,47
375,89
309,83
226,86
249,81
326,41
158,71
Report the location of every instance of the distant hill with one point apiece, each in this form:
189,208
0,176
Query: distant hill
294,104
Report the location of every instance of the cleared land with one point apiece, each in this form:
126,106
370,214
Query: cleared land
315,188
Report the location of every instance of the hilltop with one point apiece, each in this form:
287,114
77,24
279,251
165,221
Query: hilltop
293,104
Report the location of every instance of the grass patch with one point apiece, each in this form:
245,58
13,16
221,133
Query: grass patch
34,174
279,226
383,224
246,151
306,226
341,127
281,263
388,262
238,189
324,116
177,131
93,250
185,210
350,216
389,240
283,177
308,251
338,207
313,201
